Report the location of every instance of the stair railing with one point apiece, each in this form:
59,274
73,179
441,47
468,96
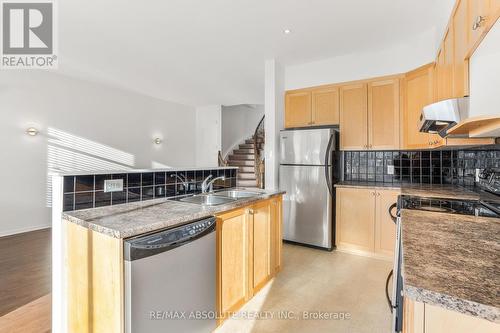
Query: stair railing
259,159
222,161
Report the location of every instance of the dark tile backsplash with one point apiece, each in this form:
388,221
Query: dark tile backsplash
87,191
428,167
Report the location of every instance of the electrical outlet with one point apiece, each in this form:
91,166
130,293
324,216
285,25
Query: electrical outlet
390,169
113,185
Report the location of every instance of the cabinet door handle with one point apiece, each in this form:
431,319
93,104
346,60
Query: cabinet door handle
250,211
479,20
373,193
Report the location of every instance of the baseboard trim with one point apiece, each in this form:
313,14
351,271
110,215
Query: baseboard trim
23,230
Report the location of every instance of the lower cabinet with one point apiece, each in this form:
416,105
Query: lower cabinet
363,223
419,318
248,252
232,259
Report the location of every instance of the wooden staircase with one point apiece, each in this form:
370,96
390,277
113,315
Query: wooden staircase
244,158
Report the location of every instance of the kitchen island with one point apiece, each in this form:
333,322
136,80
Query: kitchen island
248,251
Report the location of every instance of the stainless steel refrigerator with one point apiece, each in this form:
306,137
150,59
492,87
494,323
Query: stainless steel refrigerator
308,171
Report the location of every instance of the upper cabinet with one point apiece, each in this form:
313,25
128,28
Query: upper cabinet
369,115
418,88
444,68
312,107
297,109
354,117
325,106
479,19
459,24
383,114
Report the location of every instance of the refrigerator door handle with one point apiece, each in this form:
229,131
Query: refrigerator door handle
327,160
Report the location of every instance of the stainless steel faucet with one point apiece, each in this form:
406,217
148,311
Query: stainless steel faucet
208,185
183,180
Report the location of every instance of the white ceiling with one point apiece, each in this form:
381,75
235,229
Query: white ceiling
202,52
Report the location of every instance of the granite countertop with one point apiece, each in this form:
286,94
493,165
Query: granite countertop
422,190
452,261
132,219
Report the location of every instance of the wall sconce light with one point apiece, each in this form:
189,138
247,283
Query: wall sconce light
31,131
158,141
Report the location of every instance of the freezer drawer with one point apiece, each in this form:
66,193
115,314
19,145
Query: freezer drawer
307,205
305,147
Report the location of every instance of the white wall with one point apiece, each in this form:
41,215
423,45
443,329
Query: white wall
396,59
239,123
82,126
208,135
484,74
274,105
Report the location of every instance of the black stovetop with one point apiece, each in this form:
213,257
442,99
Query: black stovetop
451,206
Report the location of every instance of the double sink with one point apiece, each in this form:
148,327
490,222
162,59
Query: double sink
218,198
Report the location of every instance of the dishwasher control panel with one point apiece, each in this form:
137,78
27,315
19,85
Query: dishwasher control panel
167,239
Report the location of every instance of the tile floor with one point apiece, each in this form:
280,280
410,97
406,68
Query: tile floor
313,280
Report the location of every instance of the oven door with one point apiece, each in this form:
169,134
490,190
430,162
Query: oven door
396,301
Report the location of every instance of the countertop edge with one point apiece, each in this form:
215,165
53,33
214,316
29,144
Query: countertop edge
163,225
448,302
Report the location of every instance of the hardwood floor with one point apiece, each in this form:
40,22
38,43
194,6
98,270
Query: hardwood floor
25,269
33,317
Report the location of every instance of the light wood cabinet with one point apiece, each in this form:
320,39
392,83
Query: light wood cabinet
383,114
444,68
276,233
459,23
312,107
418,87
419,318
248,252
370,114
297,109
479,15
233,255
363,223
325,106
354,117
261,248
355,219
385,228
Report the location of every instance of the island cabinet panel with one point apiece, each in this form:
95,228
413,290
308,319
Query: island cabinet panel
261,221
383,114
297,109
276,234
248,252
425,318
355,219
233,254
94,272
325,106
354,117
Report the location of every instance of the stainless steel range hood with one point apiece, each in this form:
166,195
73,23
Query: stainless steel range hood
441,116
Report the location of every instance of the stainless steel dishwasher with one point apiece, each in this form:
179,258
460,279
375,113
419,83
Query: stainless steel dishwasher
170,281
